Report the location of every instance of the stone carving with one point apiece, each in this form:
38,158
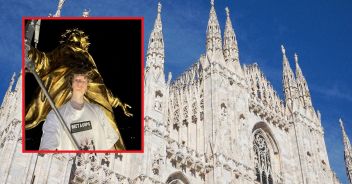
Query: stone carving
262,159
158,101
158,160
223,112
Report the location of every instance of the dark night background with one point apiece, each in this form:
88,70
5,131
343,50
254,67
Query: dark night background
116,47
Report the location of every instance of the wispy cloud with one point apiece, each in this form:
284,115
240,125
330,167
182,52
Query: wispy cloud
334,91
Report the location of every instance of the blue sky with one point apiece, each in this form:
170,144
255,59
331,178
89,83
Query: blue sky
319,31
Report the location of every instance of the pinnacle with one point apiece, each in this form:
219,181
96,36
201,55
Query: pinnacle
345,137
228,20
285,60
298,69
230,44
296,58
283,50
227,11
156,45
342,127
159,7
213,31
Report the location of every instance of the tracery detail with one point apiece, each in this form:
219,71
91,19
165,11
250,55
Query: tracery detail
262,159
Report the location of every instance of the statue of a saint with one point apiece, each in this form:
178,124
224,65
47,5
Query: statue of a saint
54,67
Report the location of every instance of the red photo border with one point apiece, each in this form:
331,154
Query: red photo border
23,85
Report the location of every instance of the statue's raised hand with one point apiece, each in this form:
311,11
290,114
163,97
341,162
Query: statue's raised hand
125,108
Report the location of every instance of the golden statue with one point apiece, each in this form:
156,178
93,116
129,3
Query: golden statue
54,67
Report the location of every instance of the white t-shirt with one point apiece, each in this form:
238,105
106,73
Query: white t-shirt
89,126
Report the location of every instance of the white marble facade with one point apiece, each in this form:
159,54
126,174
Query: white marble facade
219,122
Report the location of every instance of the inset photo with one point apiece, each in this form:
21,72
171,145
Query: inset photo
83,84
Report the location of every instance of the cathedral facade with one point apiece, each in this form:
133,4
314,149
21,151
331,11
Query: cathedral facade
219,122
226,122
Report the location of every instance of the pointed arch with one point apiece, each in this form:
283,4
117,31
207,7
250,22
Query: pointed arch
269,135
267,159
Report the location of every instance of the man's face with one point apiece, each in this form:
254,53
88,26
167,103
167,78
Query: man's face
79,84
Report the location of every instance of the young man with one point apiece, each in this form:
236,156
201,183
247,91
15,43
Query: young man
86,121
54,67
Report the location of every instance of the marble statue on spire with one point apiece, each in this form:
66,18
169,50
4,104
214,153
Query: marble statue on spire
283,50
85,13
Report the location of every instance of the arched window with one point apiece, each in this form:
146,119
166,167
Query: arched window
262,158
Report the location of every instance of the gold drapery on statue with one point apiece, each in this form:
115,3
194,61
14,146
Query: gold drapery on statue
54,68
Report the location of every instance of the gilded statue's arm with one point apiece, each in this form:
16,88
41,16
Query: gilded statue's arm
115,102
40,59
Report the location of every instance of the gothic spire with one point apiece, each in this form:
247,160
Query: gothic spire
155,53
346,141
155,88
230,44
347,152
289,82
59,7
213,32
302,86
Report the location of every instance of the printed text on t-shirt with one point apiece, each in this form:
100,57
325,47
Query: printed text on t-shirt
81,126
